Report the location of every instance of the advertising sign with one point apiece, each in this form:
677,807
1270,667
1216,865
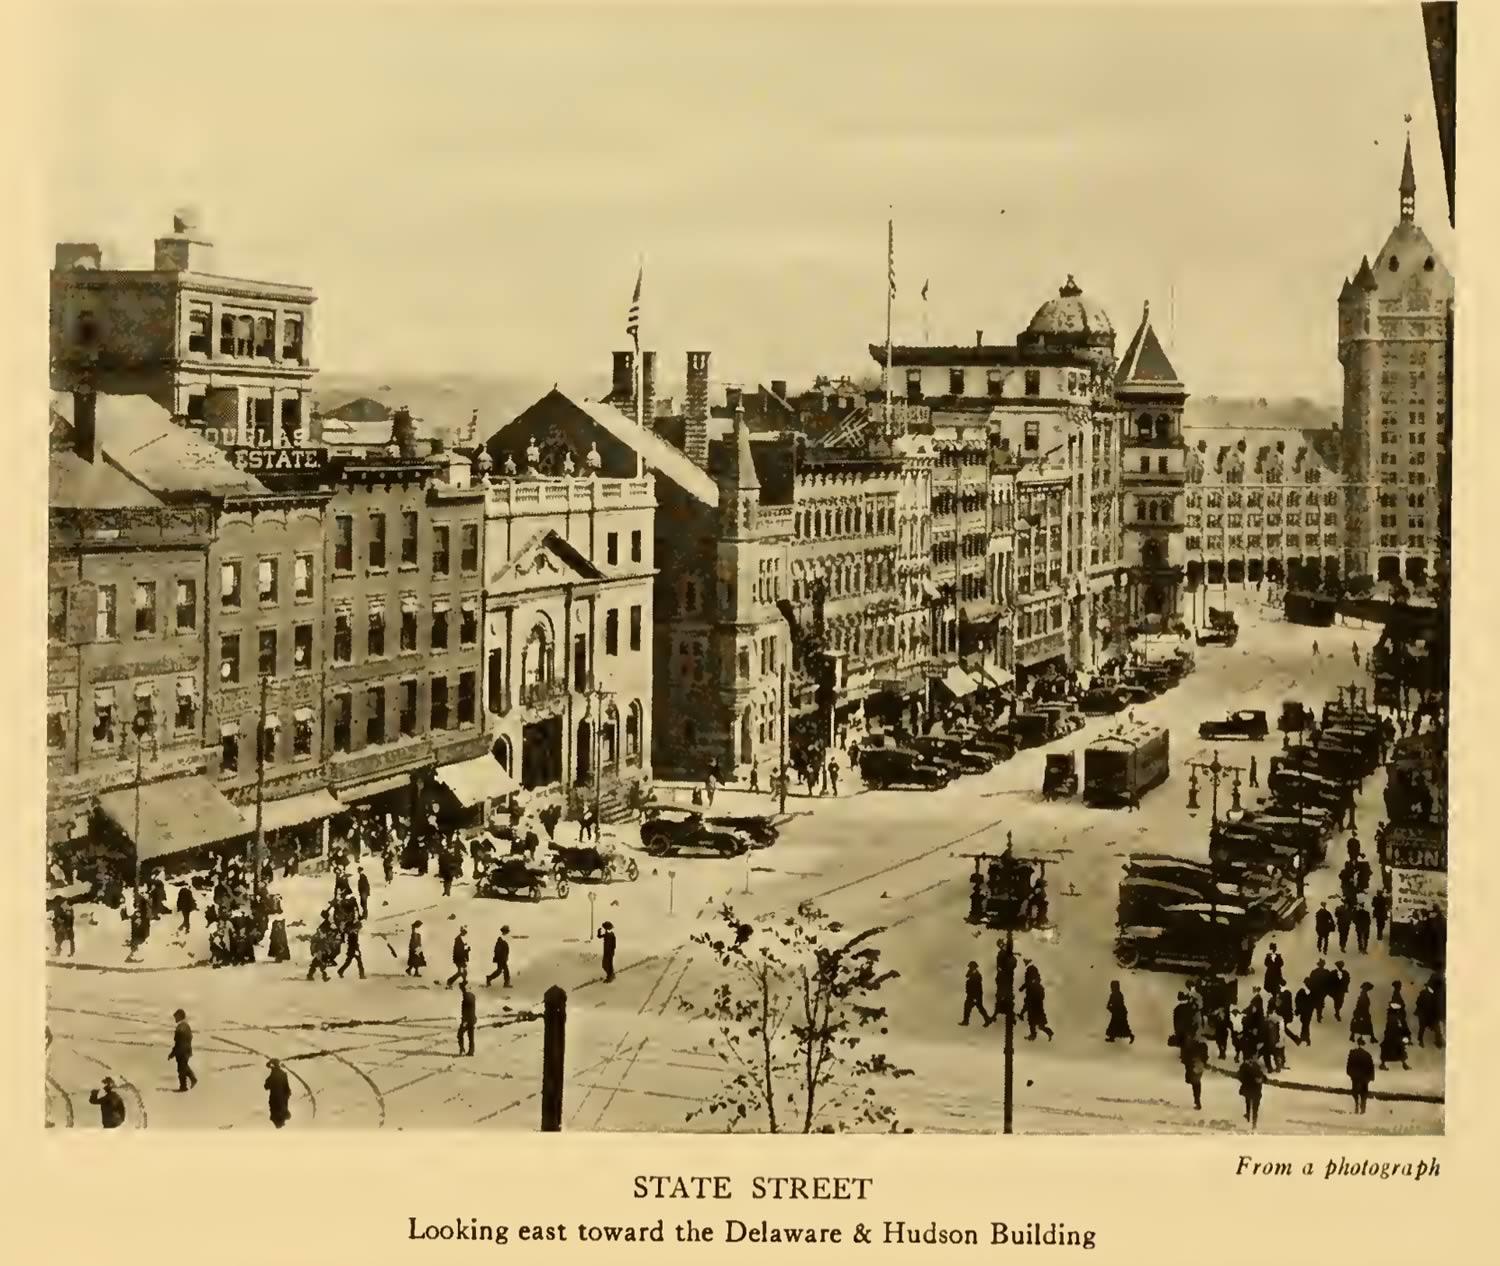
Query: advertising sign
1416,892
279,461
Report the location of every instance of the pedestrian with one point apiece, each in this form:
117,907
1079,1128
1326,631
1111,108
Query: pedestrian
1343,919
1315,650
323,947
502,957
1034,1002
1320,976
1361,1021
1005,981
974,996
1223,1029
186,904
111,1106
833,774
460,959
467,1020
1323,924
1194,1062
606,934
1380,906
1184,1020
1428,1017
1338,988
415,959
1119,1015
388,862
1254,775
1252,1077
1275,972
1360,1067
754,777
1286,1010
1361,918
63,929
711,783
182,1052
363,888
278,1093
352,952
1397,1033
1275,1053
1305,1007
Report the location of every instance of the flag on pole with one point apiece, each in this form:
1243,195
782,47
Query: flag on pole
925,284
891,253
633,324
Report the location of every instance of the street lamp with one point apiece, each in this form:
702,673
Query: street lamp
1216,772
599,694
143,729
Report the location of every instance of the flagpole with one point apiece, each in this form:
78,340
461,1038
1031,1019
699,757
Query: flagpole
890,295
640,374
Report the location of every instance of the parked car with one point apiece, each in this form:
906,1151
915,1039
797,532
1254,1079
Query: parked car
956,751
998,743
1102,701
1246,723
672,832
1066,719
1032,729
901,767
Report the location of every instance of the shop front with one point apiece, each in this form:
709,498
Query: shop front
468,792
176,822
296,827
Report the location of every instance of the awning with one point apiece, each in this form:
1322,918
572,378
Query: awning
310,806
931,590
473,781
377,787
176,815
996,678
958,683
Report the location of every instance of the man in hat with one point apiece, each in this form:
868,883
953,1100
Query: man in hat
363,888
502,957
1360,1067
352,952
974,996
606,934
111,1106
1252,1078
1320,977
1429,1019
1275,972
460,958
1304,1006
278,1093
182,1052
1338,988
415,958
1323,925
1361,917
468,1019
186,904
1194,1061
1343,917
1380,907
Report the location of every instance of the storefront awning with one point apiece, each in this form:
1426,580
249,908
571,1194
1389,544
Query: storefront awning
958,683
175,815
473,781
310,806
996,678
378,787
931,590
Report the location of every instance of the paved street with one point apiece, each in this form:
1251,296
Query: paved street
380,1051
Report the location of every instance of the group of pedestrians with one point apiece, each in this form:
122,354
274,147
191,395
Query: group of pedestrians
1033,994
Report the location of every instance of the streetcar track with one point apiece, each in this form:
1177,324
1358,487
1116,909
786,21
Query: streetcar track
624,1077
66,1098
140,1101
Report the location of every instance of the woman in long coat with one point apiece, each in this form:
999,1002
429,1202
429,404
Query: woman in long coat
278,1094
1360,1022
1119,1015
415,959
1397,1033
1034,1003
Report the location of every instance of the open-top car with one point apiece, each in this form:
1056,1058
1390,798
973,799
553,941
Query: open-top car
760,829
673,832
1244,723
516,876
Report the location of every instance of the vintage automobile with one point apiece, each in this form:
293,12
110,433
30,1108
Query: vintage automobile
1295,717
1245,723
760,828
594,862
998,743
1102,701
513,876
1190,937
1066,719
956,751
671,832
1032,729
1060,776
882,767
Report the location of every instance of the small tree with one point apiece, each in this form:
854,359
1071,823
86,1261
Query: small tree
797,1006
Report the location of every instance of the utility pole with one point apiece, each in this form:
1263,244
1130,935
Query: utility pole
782,772
258,856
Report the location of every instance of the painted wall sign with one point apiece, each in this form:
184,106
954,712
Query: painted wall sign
1416,892
279,461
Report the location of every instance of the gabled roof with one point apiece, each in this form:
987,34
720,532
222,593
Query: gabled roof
546,560
74,484
360,409
1145,364
138,437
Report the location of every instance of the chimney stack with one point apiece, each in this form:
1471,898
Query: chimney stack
648,389
622,386
695,410
403,433
778,387
85,424
978,338
732,398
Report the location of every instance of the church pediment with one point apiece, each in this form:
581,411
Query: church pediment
546,561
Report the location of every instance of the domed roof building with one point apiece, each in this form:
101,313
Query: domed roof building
1072,321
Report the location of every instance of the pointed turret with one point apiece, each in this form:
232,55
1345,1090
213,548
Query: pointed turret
1346,292
1145,362
741,474
1365,277
1408,187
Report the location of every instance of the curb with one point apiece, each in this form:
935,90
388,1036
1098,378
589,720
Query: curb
1384,1096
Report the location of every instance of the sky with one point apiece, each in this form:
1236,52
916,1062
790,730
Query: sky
469,187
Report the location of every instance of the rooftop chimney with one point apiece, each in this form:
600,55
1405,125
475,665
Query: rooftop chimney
622,386
732,398
85,424
648,389
778,387
187,248
403,433
695,410
978,338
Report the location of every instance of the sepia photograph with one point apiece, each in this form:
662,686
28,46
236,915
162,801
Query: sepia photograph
664,570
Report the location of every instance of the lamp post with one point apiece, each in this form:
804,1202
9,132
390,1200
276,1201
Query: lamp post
258,852
599,694
143,728
1216,772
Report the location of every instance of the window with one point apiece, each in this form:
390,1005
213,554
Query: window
612,548
612,632
408,538
268,734
408,719
302,576
995,382
343,543
377,542
1033,382
291,419
1161,465
343,637
408,625
57,613
955,382
343,717
467,688
1033,438
229,657
105,624
375,714
635,628
229,585
302,645
268,584
439,703
226,335
260,419
375,635
57,721
200,337
469,552
266,657
913,386
104,715
291,338
440,551
145,606
440,625
229,754
302,734
468,622
1145,465
635,546
187,606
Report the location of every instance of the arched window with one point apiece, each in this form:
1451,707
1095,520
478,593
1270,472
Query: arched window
1143,426
1163,427
633,732
536,658
1140,510
609,739
501,753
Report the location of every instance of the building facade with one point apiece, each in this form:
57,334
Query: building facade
231,356
1393,320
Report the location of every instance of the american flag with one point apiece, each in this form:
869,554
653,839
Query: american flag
633,323
891,253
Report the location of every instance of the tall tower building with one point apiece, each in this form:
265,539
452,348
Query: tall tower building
1392,321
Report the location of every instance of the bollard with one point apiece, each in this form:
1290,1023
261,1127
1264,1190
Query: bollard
554,1033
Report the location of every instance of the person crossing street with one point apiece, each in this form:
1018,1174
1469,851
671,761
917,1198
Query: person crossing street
460,959
467,1020
502,957
182,1052
974,996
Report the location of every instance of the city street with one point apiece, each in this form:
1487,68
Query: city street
381,1051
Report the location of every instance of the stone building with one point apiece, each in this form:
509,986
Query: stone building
231,356
1393,319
